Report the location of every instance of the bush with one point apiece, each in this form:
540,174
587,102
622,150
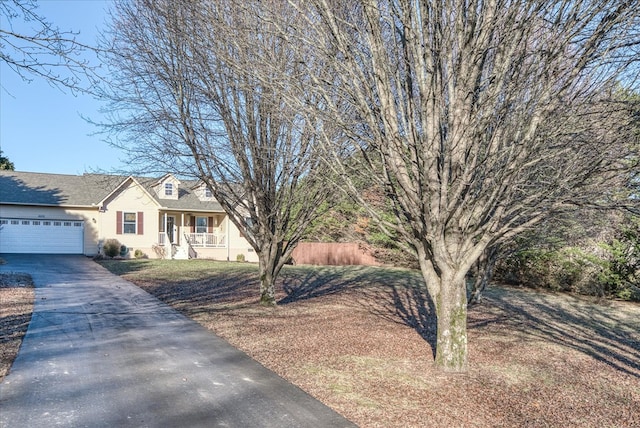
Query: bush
240,257
138,254
606,270
565,269
621,273
592,254
111,247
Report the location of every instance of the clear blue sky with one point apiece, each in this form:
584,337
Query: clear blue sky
40,127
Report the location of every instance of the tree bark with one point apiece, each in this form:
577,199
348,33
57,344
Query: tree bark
269,266
447,287
451,313
267,286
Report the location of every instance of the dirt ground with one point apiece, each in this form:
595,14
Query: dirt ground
16,306
362,340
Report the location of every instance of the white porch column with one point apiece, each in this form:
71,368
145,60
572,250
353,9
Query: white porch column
165,222
167,244
181,230
227,236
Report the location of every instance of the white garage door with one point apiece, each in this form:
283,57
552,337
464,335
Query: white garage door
41,236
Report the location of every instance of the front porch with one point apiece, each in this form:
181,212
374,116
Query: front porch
197,240
182,235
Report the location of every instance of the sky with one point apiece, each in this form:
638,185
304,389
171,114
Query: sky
41,128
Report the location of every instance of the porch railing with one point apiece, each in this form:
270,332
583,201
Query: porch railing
206,240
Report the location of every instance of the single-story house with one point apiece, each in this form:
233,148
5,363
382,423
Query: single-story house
75,214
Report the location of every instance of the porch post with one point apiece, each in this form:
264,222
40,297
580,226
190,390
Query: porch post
181,231
164,216
227,236
167,244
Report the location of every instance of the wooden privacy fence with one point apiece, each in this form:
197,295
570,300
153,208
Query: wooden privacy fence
332,253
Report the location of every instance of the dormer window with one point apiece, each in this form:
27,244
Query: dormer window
207,193
168,187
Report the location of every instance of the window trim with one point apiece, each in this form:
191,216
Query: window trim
198,226
139,222
126,224
168,189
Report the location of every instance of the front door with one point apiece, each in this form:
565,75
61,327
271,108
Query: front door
171,222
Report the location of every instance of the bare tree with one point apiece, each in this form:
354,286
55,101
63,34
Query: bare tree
45,51
610,124
199,88
467,113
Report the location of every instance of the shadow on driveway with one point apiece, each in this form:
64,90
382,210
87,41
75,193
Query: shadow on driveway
101,352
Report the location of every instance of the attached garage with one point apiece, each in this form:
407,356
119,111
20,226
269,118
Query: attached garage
33,236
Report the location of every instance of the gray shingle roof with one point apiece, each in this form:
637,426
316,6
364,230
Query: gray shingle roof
31,188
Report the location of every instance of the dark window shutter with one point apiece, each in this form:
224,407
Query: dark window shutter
193,224
118,222
210,225
140,223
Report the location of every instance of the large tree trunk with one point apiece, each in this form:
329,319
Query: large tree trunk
269,266
451,313
267,283
447,289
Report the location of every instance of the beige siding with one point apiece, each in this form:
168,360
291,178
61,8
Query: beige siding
239,245
211,253
131,199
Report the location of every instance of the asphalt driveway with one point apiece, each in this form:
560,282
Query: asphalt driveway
101,352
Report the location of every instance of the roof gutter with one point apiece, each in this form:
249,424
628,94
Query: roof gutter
31,204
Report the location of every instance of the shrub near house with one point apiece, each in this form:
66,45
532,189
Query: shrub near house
111,247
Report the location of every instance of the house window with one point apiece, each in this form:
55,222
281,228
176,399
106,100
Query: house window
201,225
168,189
129,223
207,193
